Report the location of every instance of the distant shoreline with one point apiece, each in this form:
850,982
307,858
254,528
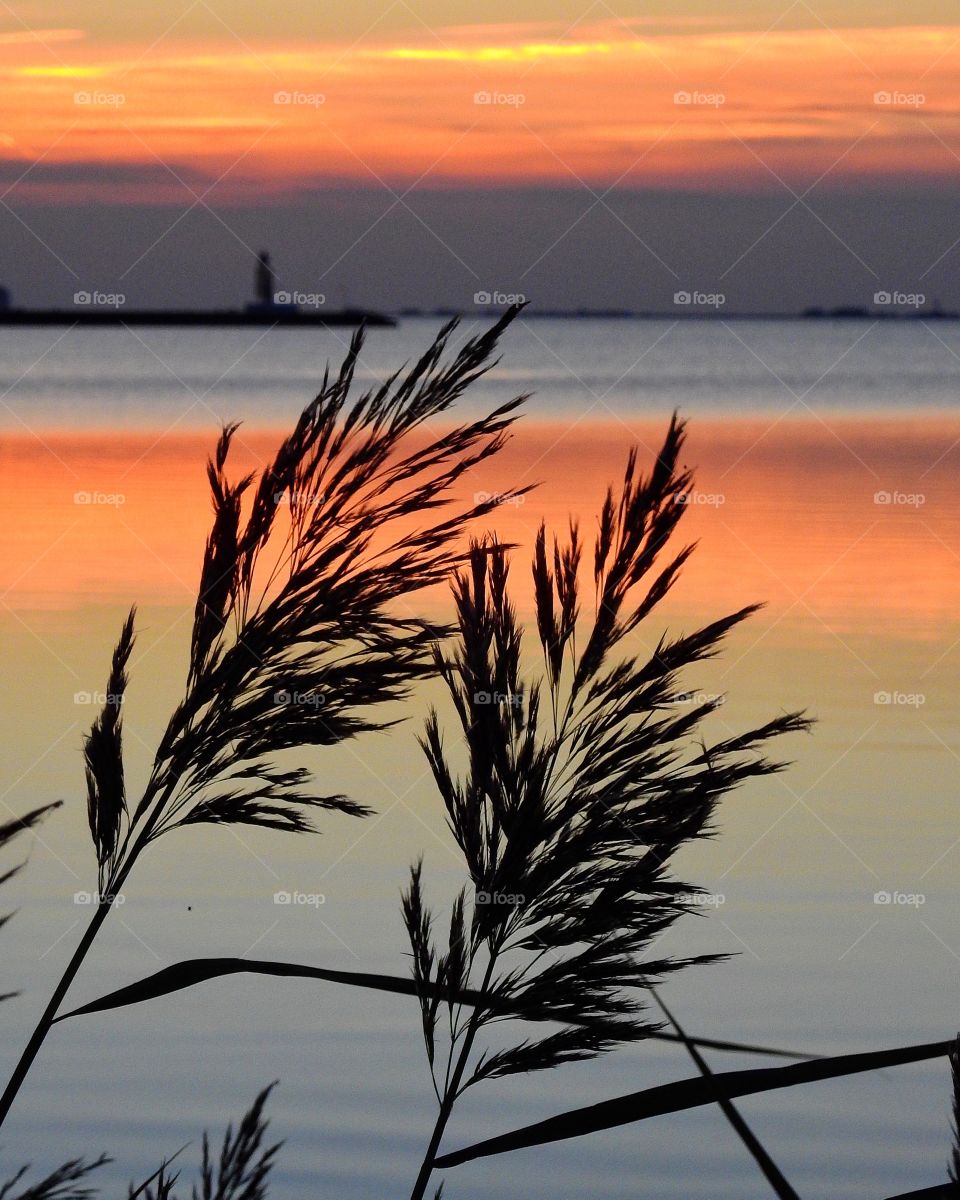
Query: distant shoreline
291,318
218,318
687,314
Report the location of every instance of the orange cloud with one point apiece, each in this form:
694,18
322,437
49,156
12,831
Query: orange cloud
26,37
64,72
612,104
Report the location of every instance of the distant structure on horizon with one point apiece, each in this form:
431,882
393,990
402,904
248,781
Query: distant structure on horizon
265,278
270,307
268,299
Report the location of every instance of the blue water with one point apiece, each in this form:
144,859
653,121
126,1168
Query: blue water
197,377
869,804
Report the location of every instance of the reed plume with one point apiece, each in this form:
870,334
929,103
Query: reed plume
8,831
65,1183
954,1163
299,635
579,788
241,1170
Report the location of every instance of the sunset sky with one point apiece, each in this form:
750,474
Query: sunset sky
234,108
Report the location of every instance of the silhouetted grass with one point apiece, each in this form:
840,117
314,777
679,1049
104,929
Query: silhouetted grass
65,1183
8,831
297,640
758,1152
581,783
580,787
684,1094
241,1170
954,1165
188,974
240,1173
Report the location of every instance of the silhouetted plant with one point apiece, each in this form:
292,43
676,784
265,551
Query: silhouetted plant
684,1094
8,831
294,609
954,1165
580,785
567,823
241,1171
243,1167
758,1152
65,1183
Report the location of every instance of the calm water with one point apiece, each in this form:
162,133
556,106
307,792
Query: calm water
151,377
827,484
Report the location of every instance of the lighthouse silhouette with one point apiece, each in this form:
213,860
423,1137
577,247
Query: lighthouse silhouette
265,289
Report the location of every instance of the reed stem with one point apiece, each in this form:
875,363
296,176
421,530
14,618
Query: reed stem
452,1091
32,1047
39,1034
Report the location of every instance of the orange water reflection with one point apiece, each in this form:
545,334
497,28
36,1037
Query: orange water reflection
793,513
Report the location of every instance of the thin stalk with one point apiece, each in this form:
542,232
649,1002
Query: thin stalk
49,1013
38,1037
760,1156
451,1091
